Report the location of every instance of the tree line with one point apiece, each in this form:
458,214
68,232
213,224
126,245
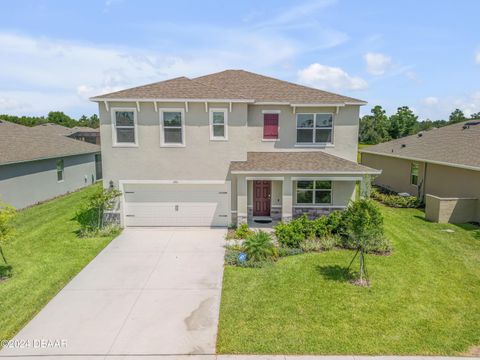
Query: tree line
54,117
378,127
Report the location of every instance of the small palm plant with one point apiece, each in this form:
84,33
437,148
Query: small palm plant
259,246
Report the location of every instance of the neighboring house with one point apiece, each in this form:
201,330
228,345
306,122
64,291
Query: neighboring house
78,132
443,163
37,165
228,147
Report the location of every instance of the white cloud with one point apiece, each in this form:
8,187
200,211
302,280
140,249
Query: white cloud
412,75
42,70
440,108
431,100
477,57
331,78
377,63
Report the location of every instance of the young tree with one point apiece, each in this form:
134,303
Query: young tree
403,123
7,214
364,225
456,116
374,127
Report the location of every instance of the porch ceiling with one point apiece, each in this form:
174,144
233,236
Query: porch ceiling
317,162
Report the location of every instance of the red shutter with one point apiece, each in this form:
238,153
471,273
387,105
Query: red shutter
270,126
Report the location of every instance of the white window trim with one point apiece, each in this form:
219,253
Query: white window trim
114,126
263,122
411,173
63,170
314,193
310,144
162,134
225,124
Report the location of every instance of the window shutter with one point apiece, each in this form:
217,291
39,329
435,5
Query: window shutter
270,126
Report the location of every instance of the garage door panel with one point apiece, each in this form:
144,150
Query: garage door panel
176,205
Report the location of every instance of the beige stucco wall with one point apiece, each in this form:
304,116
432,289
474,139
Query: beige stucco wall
200,159
452,210
395,172
345,132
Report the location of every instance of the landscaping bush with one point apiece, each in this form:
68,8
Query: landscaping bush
288,235
91,214
7,214
287,251
259,246
336,222
394,200
242,232
324,243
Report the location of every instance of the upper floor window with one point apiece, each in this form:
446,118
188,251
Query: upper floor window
314,192
218,124
60,169
414,174
124,122
172,127
314,128
270,126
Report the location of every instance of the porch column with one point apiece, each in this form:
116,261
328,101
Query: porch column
287,199
242,200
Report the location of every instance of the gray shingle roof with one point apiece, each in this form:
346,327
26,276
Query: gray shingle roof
19,143
298,162
455,145
231,84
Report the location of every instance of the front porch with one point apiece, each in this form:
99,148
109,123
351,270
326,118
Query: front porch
264,200
280,186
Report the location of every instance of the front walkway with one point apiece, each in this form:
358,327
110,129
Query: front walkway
150,292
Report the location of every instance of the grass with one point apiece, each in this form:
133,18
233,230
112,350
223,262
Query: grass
44,255
424,298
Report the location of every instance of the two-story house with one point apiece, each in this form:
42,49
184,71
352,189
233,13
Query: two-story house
233,146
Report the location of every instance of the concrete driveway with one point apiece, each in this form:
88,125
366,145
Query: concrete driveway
150,292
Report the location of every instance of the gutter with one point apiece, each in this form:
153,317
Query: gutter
461,166
48,158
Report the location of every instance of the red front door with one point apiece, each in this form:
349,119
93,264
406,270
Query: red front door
261,197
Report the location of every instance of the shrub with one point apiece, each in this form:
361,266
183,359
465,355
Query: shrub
288,235
7,214
336,222
324,243
243,231
259,246
321,227
394,200
91,214
232,258
286,251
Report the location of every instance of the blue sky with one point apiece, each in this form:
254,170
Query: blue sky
54,55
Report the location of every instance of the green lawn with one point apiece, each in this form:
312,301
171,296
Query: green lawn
45,254
424,298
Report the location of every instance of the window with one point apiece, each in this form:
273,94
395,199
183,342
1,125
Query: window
414,174
314,128
314,192
270,126
172,127
124,127
218,124
60,169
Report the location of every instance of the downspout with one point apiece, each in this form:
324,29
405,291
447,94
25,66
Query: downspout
424,191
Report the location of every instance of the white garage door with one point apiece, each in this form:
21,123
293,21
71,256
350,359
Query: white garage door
176,205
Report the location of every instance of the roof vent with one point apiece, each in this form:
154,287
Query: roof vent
420,134
403,145
470,123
